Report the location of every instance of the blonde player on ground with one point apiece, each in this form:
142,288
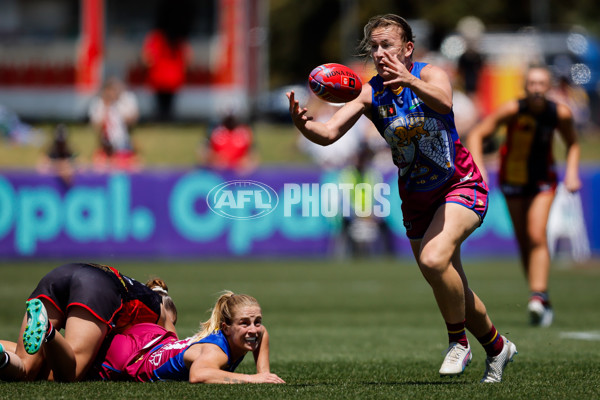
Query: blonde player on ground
149,353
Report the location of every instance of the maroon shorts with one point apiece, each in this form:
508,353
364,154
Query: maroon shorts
473,195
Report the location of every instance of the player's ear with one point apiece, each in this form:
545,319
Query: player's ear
409,47
224,328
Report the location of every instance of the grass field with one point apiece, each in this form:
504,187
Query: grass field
364,329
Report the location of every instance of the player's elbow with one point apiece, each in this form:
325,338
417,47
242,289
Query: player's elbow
326,141
199,377
322,139
330,135
443,106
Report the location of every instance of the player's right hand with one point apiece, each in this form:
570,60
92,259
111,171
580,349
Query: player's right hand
297,113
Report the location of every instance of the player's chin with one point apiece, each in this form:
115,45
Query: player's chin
384,74
251,343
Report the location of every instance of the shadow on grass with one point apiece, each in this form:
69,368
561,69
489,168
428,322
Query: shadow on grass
409,383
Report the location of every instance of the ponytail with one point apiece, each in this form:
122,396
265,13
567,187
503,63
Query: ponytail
224,311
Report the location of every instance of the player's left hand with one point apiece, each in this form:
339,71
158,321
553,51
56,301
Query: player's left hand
397,70
572,182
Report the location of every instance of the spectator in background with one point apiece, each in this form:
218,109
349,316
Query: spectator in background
470,63
466,112
59,158
364,235
166,54
230,146
574,97
15,131
113,114
341,153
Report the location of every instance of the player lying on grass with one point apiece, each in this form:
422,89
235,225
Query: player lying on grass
147,352
89,301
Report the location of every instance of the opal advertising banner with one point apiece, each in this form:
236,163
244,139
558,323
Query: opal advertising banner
274,212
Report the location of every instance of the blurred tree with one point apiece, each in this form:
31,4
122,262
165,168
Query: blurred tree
300,33
304,34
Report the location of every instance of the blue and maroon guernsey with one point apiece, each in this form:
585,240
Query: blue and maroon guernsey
166,363
148,352
425,145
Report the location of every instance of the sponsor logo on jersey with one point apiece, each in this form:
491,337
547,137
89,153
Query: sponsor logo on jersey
414,103
387,110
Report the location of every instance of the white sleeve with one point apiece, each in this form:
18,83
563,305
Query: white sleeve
96,111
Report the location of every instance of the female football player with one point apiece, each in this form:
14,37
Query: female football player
528,177
444,198
147,352
88,301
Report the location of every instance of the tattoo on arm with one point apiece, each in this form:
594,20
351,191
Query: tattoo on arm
232,380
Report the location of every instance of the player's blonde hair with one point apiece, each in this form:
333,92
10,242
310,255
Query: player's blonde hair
382,21
224,311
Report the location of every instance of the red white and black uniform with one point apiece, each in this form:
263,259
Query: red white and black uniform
110,296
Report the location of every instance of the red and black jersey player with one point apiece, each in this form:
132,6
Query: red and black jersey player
88,301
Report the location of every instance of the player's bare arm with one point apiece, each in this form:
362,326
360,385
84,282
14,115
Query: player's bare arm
325,133
433,88
261,354
206,366
566,129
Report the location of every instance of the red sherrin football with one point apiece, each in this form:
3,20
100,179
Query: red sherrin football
335,83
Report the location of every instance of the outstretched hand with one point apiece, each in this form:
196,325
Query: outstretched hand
297,113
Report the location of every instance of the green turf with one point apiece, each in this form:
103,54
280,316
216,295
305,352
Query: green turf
355,330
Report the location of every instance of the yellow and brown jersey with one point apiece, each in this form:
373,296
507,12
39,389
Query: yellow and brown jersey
527,163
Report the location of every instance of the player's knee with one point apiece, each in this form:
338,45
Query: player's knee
537,240
432,264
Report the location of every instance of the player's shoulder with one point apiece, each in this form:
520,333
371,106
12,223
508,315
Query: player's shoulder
509,108
563,111
206,351
427,71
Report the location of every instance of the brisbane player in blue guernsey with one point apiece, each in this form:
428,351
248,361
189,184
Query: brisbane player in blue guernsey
444,198
528,177
147,352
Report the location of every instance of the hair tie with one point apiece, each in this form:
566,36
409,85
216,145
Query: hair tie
160,290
